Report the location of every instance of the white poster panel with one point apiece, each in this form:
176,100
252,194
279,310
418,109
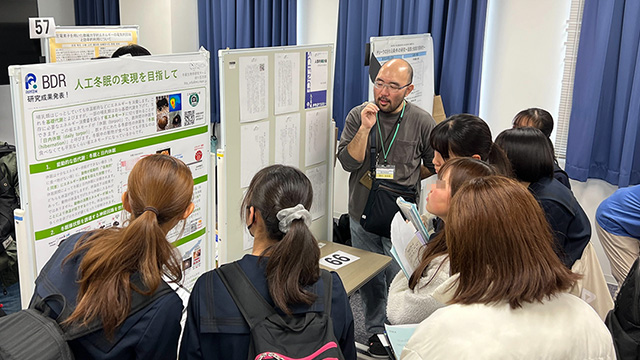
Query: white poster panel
84,126
88,42
417,50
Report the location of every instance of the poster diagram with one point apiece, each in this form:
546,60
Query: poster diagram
84,43
83,129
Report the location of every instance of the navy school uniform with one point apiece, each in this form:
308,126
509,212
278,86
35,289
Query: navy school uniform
151,333
570,225
215,328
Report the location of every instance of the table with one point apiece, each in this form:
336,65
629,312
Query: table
356,274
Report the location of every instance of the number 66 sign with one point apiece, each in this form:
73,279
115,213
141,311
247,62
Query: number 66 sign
337,260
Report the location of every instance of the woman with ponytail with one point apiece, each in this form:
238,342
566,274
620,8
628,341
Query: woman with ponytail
100,272
283,267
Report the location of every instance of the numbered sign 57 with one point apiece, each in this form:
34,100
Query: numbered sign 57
337,260
43,27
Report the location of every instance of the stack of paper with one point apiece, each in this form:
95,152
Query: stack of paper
401,235
410,211
398,336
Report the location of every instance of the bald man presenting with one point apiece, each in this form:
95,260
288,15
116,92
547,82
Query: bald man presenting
403,153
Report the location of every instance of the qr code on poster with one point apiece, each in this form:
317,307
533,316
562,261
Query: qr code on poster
189,117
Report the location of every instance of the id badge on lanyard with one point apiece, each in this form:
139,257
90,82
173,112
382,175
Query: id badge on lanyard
385,171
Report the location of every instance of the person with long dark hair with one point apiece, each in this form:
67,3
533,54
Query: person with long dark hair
532,159
542,120
283,267
98,272
411,300
508,299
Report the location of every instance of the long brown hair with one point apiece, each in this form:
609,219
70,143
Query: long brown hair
459,170
500,242
112,255
293,261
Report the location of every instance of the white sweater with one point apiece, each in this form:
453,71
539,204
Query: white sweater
563,327
406,306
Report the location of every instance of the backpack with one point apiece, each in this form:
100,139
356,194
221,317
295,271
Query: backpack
624,320
9,201
31,334
302,336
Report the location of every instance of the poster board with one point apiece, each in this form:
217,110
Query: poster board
276,106
81,126
87,42
417,50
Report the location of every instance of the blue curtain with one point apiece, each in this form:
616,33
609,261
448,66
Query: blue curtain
238,24
457,29
604,141
97,12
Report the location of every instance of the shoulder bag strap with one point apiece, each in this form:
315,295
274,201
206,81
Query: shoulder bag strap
253,307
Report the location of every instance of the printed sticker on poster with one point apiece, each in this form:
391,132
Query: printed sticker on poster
317,72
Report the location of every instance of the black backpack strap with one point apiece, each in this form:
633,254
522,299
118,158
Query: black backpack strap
253,307
328,288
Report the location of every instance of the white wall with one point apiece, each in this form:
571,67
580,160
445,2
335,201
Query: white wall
523,58
318,24
61,10
166,26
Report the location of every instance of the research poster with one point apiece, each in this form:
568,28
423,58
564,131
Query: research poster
84,126
84,43
417,50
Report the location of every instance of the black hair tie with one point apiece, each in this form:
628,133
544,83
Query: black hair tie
152,209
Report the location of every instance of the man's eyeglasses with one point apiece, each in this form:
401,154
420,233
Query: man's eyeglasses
379,84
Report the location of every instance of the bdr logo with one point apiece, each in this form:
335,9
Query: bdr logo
30,80
53,81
